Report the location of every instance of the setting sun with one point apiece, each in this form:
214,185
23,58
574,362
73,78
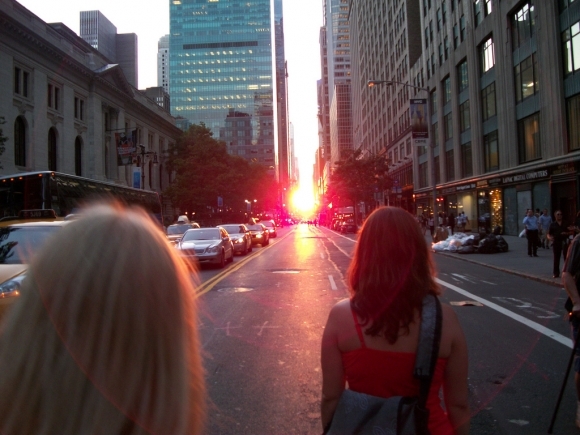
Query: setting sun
303,200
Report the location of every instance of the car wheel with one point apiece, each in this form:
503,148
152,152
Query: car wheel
268,242
251,248
231,260
222,262
245,251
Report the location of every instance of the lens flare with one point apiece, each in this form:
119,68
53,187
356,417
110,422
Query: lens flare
303,200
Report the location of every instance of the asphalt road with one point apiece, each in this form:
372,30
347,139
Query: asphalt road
262,319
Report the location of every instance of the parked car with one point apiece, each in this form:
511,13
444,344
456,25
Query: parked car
348,226
175,232
206,246
260,234
240,237
271,226
19,242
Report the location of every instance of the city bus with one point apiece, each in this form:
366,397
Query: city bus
67,194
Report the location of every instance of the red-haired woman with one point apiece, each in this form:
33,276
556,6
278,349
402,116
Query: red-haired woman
370,340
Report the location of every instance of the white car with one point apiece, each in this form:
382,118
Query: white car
206,245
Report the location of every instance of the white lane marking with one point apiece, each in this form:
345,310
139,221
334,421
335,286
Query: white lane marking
262,328
566,341
463,277
332,283
529,308
487,282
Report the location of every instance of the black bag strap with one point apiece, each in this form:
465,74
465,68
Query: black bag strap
428,348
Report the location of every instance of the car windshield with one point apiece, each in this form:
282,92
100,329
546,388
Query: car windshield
178,229
255,227
202,234
268,224
232,229
19,244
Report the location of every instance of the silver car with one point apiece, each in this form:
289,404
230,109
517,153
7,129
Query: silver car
240,236
206,245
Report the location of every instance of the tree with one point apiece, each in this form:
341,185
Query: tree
357,177
205,171
3,139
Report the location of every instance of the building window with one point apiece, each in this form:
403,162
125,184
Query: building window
491,152
78,157
439,20
446,47
571,48
523,25
440,54
21,81
433,107
448,126
529,138
53,97
19,142
466,160
464,117
526,78
488,107
423,175
52,149
446,90
573,115
487,55
79,109
462,76
426,37
437,170
455,36
449,165
462,28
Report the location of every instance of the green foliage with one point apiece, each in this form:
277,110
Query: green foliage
204,170
357,177
3,139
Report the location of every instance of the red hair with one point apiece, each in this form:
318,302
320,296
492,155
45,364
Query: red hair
391,272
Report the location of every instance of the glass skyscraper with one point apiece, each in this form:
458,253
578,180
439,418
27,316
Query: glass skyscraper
222,72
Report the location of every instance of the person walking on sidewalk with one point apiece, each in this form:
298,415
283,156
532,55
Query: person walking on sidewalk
431,225
571,281
558,234
531,225
545,222
451,222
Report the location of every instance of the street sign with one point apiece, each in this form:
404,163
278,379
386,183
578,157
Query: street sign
420,142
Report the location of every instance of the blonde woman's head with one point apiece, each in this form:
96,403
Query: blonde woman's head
104,337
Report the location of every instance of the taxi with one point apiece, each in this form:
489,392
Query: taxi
20,238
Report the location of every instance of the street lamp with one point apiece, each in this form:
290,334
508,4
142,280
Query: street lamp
430,141
144,153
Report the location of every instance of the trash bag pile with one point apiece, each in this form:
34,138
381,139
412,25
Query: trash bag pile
462,243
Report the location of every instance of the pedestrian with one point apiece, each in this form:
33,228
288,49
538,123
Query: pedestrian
103,339
545,222
370,340
531,226
571,282
423,222
432,225
558,234
451,222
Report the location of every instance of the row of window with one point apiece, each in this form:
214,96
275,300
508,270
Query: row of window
22,86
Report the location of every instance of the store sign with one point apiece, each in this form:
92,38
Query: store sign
525,177
565,168
466,187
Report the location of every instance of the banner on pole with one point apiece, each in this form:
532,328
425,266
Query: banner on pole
419,129
125,148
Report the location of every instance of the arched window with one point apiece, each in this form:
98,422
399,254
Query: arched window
52,149
19,142
160,177
78,156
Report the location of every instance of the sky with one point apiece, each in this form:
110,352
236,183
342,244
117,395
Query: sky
150,20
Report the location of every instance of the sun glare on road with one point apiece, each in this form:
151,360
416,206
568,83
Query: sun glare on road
303,200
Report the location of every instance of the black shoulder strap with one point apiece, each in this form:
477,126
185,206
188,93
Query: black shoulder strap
428,348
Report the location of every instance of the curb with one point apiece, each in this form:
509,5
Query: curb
502,269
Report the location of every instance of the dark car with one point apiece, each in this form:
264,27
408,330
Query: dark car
240,237
271,228
260,234
348,227
176,231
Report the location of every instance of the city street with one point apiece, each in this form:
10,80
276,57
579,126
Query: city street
262,319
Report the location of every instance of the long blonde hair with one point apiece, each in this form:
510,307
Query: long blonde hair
104,338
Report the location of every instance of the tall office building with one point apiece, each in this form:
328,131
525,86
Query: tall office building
385,44
223,72
119,48
163,63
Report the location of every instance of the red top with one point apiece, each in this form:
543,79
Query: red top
385,374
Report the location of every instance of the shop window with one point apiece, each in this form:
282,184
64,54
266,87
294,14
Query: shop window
573,115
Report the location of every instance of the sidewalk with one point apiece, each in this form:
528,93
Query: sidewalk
515,261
